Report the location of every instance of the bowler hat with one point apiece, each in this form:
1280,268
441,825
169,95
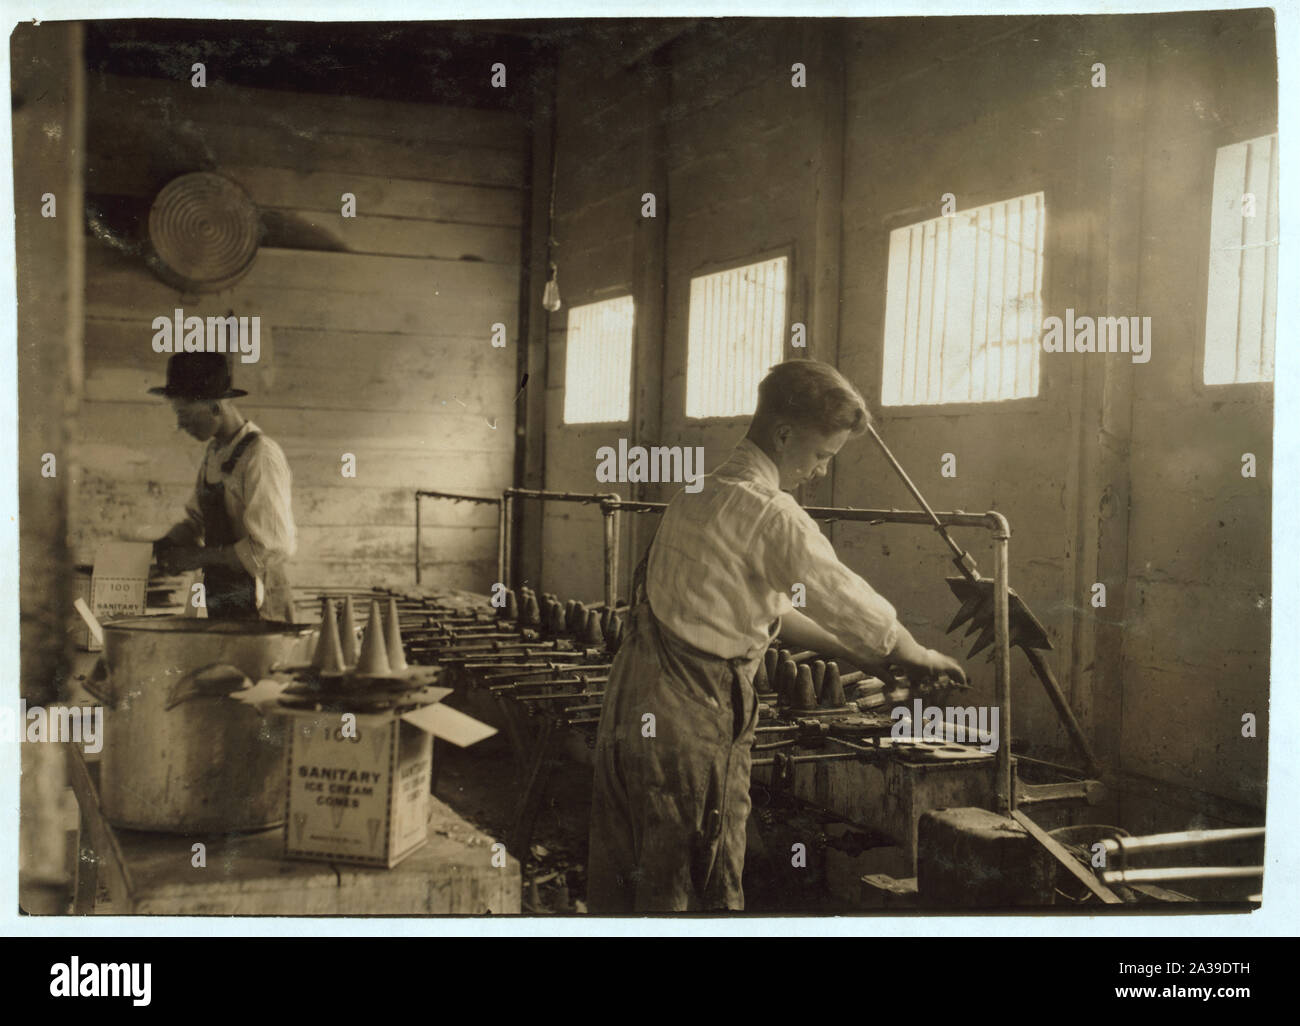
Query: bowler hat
198,376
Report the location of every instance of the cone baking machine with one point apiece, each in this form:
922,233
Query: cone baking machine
825,733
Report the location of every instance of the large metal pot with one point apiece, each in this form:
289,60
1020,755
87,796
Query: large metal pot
180,755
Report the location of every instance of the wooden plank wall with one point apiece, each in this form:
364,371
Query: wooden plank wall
375,330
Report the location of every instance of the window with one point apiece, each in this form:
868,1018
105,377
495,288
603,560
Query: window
598,363
736,333
964,306
1241,304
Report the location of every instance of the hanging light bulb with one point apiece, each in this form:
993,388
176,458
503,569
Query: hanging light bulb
551,294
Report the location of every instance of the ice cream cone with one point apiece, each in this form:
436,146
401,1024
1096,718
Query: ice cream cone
373,661
393,639
329,655
348,632
832,693
593,637
805,696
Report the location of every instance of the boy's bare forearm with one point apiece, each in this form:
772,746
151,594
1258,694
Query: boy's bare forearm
803,632
907,653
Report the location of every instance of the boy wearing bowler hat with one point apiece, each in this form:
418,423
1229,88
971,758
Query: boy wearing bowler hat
238,527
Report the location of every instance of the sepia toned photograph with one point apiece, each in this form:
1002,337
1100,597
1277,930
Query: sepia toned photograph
598,468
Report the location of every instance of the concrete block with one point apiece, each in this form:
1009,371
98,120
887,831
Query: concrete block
890,795
973,858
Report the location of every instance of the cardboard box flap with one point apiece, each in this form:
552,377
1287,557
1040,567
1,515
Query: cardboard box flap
265,694
449,724
123,559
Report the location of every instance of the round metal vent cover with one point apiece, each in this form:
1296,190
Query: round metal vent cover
205,230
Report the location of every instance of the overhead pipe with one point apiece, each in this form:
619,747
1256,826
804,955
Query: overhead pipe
831,514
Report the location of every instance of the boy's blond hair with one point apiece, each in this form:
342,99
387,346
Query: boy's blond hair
812,394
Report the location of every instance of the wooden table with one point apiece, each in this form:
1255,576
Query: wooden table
246,874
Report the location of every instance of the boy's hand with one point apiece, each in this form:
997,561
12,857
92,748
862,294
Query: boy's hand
924,663
935,663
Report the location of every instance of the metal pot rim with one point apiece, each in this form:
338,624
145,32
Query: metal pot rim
195,625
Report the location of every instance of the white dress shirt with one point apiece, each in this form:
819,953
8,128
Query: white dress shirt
257,498
725,560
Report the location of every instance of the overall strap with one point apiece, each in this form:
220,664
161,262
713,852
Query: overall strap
639,574
244,443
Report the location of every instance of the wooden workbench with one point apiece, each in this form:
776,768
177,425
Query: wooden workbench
246,874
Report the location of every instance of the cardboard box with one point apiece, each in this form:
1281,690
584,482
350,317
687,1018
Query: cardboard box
116,587
359,788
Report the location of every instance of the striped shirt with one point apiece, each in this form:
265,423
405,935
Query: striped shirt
724,564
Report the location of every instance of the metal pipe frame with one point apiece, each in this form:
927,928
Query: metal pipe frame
1006,785
609,504
504,512
831,514
609,514
483,500
505,527
550,496
505,547
612,505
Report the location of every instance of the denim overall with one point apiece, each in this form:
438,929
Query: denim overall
669,811
230,593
